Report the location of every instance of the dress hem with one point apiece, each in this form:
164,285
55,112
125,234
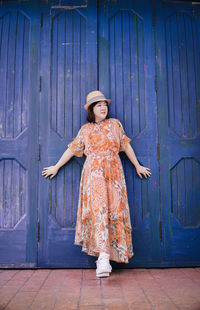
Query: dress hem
93,253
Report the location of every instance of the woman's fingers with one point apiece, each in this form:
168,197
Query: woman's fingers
46,173
49,171
145,171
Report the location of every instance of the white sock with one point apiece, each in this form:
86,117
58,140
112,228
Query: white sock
104,254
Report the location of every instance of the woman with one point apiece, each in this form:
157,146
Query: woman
103,226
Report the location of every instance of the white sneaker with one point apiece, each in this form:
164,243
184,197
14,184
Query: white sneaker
103,267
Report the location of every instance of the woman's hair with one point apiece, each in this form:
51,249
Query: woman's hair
91,116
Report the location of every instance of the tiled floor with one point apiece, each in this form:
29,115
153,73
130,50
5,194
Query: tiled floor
66,289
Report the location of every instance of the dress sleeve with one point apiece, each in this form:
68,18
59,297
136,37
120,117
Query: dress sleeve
77,145
122,137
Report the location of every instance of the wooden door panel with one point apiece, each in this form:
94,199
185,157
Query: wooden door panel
126,75
18,134
178,68
69,72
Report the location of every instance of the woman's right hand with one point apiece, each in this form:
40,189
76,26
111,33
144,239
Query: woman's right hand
51,170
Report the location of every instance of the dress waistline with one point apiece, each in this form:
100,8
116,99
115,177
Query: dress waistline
103,153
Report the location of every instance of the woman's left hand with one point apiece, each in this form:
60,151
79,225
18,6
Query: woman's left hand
143,170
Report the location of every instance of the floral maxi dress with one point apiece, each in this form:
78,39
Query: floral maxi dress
103,219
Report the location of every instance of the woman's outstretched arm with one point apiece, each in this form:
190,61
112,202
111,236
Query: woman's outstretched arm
53,170
140,169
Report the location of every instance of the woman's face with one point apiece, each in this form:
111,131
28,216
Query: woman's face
100,110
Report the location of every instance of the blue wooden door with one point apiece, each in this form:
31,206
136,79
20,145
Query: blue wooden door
68,73
144,55
126,73
19,82
177,29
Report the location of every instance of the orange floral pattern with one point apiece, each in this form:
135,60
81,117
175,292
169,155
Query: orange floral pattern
103,219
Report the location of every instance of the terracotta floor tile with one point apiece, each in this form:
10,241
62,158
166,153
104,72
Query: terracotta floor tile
165,306
80,289
91,283
57,278
115,306
7,290
114,301
35,282
21,301
23,274
71,283
90,301
66,304
192,274
114,296
93,307
90,298
15,283
8,274
62,293
189,306
71,275
68,292
140,306
89,274
6,294
131,286
136,297
3,282
44,301
90,294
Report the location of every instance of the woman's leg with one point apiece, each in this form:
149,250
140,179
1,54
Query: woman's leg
104,255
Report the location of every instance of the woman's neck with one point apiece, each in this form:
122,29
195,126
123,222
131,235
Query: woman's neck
98,120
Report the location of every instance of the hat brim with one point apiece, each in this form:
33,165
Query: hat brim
86,106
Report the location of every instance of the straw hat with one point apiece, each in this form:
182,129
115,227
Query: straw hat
95,96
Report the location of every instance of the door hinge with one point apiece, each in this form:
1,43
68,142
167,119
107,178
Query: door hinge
41,19
38,231
39,152
153,20
160,227
40,84
158,152
156,88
